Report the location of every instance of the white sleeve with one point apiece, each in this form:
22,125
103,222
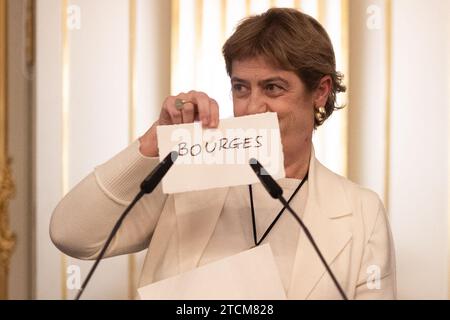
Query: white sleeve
84,218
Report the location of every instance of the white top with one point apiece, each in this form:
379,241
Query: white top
233,232
235,229
348,222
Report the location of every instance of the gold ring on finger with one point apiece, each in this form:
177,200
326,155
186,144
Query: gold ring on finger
179,103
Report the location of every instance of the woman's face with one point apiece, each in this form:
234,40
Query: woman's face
259,87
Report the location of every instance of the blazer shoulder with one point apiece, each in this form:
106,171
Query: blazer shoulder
356,193
366,204
366,197
363,201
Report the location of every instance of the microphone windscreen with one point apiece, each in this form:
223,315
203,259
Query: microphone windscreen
266,179
153,179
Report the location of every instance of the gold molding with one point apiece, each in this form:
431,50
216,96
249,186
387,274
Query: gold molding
298,5
3,80
29,29
223,19
388,77
7,238
198,38
132,120
248,7
345,48
174,42
321,11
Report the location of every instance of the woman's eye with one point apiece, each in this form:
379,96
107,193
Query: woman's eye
273,89
239,88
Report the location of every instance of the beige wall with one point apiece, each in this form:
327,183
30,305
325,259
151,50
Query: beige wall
367,95
47,140
96,124
419,182
416,183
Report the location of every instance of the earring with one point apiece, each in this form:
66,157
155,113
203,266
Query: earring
320,115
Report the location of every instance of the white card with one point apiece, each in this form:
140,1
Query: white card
249,275
216,158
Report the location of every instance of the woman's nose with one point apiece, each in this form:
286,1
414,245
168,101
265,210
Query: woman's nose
256,104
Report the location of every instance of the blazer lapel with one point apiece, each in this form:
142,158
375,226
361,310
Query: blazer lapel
197,214
325,209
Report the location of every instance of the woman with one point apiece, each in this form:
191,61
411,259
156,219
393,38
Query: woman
281,61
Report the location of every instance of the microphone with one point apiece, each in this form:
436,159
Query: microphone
266,179
147,186
276,192
153,179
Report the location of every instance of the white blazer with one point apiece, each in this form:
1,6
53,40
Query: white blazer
348,223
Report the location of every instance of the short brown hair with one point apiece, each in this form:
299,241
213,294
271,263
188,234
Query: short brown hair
290,40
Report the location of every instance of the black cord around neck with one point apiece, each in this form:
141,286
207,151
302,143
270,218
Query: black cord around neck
266,233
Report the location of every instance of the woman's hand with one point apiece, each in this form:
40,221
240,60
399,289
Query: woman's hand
198,107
